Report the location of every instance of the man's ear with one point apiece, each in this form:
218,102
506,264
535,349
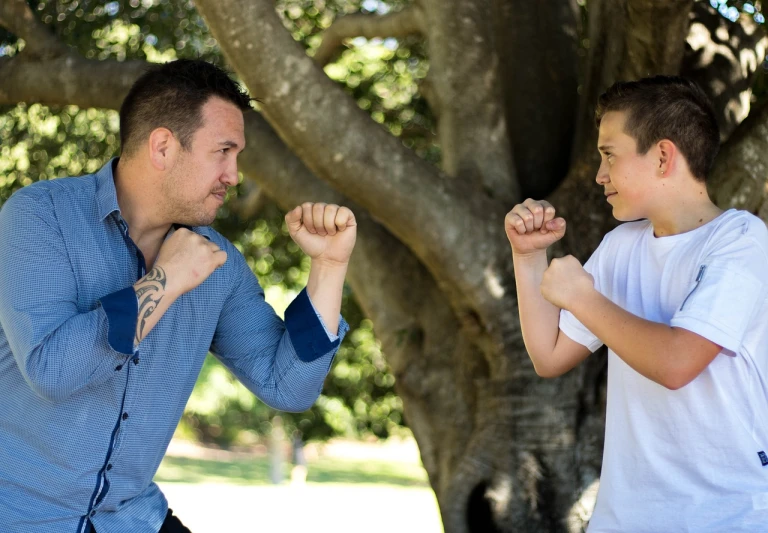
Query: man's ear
667,157
163,148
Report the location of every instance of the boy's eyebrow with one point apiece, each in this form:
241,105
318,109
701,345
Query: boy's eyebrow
604,147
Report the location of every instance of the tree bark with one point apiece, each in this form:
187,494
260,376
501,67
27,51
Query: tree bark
402,23
723,58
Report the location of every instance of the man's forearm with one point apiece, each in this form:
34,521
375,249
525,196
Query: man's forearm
154,300
539,319
324,288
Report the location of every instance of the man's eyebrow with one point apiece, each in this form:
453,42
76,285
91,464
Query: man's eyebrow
229,144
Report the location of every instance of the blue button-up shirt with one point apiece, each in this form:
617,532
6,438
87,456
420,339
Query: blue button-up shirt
86,417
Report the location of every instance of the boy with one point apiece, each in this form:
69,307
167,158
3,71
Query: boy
678,294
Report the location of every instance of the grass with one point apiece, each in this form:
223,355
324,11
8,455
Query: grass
344,493
255,471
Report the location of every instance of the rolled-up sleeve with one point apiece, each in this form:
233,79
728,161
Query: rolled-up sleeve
58,349
283,363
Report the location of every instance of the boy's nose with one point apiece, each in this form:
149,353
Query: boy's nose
602,176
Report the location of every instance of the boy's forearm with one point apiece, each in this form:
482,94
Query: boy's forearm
652,349
539,319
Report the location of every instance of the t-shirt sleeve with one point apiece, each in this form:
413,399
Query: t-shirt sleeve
569,324
722,303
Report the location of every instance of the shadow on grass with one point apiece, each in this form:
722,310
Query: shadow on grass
256,472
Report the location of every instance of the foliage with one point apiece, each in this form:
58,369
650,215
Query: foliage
38,142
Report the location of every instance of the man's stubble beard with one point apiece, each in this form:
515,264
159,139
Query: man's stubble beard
178,209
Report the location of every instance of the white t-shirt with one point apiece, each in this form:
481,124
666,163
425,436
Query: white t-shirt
694,459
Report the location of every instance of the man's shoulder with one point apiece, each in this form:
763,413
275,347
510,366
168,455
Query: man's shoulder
217,238
46,190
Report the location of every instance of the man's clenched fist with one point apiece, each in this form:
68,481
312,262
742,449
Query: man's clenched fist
325,232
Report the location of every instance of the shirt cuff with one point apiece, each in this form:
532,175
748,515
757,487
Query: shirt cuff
122,311
309,336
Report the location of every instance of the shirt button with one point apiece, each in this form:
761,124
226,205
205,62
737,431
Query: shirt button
93,513
118,368
109,466
135,360
125,416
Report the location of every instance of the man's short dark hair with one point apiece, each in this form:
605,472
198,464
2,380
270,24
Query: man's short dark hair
172,96
666,107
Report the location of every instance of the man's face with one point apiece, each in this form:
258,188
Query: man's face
197,184
626,176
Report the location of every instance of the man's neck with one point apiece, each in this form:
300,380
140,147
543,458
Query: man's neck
138,206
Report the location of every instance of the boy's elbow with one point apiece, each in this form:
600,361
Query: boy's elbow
675,380
547,371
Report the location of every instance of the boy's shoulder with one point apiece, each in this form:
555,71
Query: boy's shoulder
739,233
627,231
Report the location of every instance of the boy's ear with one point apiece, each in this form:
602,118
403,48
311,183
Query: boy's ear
667,152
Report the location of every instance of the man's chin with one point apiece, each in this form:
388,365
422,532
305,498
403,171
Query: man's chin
201,220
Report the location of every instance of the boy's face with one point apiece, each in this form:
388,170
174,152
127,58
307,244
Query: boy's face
626,176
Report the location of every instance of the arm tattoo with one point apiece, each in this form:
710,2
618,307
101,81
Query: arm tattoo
147,294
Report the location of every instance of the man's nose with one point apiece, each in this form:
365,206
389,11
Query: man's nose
230,177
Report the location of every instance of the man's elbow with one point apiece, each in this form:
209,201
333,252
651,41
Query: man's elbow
46,385
292,404
48,391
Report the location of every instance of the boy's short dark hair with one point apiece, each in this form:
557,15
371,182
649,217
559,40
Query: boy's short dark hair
666,107
172,96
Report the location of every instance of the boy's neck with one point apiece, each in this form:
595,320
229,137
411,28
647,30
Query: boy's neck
686,214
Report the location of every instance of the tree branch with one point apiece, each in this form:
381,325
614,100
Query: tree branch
68,80
17,17
444,222
468,98
723,57
740,175
398,24
540,82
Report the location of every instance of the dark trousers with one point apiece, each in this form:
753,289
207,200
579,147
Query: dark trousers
171,524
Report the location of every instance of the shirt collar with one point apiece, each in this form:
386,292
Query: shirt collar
106,194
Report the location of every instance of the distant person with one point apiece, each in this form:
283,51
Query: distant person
679,294
299,460
113,288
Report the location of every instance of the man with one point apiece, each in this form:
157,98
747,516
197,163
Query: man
679,297
112,291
